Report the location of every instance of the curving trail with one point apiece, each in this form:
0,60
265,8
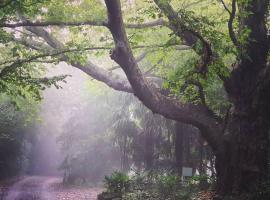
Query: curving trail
48,188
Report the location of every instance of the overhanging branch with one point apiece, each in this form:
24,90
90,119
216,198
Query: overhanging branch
159,22
154,100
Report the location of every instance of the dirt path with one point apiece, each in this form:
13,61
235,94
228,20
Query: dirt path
48,188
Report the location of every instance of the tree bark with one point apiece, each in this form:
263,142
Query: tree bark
242,164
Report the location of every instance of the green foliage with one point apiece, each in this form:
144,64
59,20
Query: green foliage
64,10
15,142
174,66
117,182
77,58
167,186
151,185
27,87
8,8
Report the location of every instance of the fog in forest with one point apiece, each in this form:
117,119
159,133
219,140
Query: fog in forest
56,110
69,117
82,132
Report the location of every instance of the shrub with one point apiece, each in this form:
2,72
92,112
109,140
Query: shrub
167,185
117,183
152,185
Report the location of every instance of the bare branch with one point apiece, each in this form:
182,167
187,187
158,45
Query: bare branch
225,7
53,23
32,44
230,24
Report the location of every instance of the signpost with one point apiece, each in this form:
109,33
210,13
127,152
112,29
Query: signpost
187,171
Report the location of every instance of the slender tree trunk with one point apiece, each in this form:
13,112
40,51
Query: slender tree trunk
179,147
149,149
201,167
125,165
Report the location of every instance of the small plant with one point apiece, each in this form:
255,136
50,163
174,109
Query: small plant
117,183
167,185
151,185
203,181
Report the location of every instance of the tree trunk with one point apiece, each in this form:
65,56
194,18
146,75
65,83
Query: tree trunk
241,163
149,149
241,166
179,147
202,170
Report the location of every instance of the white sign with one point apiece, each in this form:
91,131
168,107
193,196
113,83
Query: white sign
187,171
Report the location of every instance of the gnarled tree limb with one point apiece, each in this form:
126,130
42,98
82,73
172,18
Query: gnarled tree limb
154,100
196,115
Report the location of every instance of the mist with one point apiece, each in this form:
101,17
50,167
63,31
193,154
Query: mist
70,111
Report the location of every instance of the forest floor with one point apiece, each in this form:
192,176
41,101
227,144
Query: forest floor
46,188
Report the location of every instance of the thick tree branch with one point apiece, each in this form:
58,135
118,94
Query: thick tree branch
138,59
154,100
32,44
113,80
159,22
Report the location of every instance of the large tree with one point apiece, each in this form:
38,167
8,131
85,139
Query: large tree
238,138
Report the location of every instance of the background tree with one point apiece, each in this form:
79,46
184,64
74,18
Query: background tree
15,139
